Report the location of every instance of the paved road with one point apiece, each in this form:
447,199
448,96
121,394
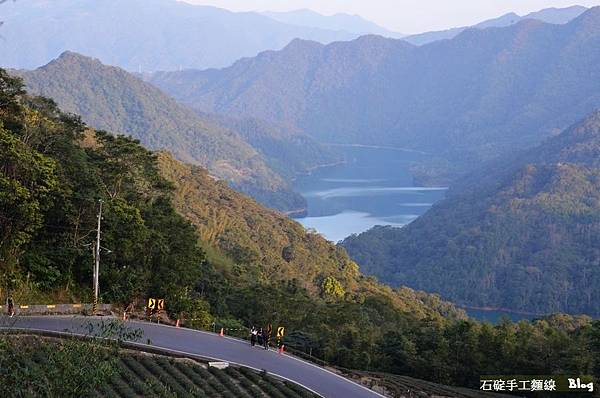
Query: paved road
213,346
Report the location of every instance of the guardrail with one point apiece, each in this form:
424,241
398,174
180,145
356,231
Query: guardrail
63,309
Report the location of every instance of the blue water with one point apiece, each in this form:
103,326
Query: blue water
373,187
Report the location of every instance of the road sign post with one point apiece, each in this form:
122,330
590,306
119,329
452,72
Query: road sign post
280,334
151,306
155,306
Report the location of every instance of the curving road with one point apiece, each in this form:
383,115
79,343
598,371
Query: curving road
212,346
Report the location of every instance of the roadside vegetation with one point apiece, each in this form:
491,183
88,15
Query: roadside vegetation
171,231
35,366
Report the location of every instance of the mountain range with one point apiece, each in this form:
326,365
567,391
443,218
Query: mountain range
471,98
152,35
548,15
340,22
143,35
520,234
519,229
238,151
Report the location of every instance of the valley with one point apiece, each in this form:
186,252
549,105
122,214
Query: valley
496,92
382,212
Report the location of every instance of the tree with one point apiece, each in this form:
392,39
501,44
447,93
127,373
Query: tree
331,287
27,179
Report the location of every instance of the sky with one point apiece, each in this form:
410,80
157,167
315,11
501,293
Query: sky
405,16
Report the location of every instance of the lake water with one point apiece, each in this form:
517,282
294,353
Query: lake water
373,187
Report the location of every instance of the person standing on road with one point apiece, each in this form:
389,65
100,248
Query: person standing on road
265,338
253,333
259,336
11,307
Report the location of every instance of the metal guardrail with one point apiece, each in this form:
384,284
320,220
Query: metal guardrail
31,309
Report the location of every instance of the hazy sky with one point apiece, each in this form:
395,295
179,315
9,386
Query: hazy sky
407,16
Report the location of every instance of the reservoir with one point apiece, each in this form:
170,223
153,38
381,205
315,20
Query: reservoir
373,187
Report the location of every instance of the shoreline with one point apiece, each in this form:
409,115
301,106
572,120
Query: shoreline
308,171
325,165
393,148
300,213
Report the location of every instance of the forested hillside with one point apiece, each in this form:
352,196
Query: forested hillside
235,263
110,98
496,92
261,246
522,233
286,149
52,180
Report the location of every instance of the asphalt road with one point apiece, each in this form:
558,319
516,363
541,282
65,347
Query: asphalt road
213,346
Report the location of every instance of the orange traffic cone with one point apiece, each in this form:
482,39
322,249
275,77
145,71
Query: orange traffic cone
222,333
177,324
282,349
124,316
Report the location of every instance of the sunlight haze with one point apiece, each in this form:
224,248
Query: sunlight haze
406,16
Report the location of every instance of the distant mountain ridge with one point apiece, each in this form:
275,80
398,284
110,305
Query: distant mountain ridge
153,35
109,98
481,94
548,15
142,35
342,22
520,234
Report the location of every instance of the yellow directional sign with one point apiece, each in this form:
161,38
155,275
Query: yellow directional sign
161,304
151,303
280,331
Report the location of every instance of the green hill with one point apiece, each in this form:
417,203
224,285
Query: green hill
264,247
286,149
521,234
110,98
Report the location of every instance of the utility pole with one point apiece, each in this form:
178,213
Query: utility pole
97,260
